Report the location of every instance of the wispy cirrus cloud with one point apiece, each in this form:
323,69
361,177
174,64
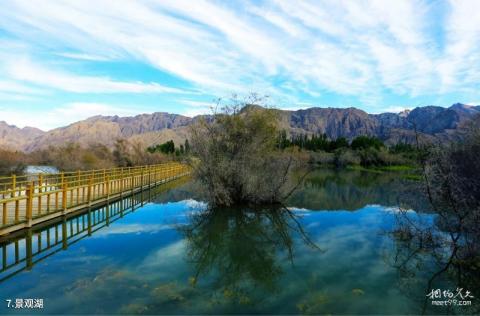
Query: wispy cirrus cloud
27,71
371,54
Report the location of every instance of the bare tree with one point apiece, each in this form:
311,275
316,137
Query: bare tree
236,156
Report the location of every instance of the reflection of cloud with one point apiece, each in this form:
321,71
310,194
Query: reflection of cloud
396,210
79,258
353,254
131,229
164,257
298,209
193,204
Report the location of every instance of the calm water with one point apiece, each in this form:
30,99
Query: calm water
161,252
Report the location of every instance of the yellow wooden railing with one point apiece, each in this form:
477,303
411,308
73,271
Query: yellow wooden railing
30,199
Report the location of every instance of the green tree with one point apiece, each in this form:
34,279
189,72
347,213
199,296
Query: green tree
166,148
365,142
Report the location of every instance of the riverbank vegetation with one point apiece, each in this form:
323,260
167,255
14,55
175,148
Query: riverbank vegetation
451,183
365,151
73,156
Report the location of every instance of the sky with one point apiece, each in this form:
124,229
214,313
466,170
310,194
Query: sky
63,61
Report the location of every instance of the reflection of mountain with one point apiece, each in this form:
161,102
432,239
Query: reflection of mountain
327,189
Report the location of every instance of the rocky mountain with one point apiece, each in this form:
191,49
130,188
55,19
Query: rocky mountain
12,137
432,122
107,129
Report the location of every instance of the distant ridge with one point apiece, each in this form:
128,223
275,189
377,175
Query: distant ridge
432,122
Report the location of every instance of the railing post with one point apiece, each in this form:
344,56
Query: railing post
122,184
104,181
28,215
40,183
4,214
64,193
107,186
149,176
14,185
133,182
89,192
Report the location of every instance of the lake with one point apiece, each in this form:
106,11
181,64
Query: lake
331,250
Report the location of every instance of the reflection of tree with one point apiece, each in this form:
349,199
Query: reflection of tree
326,189
239,248
439,255
446,251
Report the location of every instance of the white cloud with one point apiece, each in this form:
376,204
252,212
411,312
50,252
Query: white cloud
192,112
25,70
62,115
18,88
460,63
392,109
81,56
194,108
196,104
281,47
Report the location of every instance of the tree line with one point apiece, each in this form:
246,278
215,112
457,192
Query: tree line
321,142
169,148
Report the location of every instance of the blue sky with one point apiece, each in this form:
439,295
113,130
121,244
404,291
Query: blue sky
62,61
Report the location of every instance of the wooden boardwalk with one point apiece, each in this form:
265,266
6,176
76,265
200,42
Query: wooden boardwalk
21,250
30,200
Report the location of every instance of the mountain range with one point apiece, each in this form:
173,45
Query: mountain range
431,122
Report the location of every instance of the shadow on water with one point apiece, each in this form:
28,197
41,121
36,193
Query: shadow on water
239,249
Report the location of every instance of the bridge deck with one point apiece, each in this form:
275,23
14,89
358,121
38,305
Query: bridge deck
39,198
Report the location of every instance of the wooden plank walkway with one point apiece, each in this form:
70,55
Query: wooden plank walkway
27,201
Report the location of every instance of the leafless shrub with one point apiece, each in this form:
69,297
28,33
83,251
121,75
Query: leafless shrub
452,185
11,162
237,158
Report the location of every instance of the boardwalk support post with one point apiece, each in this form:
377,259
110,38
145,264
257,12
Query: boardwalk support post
28,250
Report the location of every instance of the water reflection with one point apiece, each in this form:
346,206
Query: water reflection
22,250
239,250
172,256
438,253
330,189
